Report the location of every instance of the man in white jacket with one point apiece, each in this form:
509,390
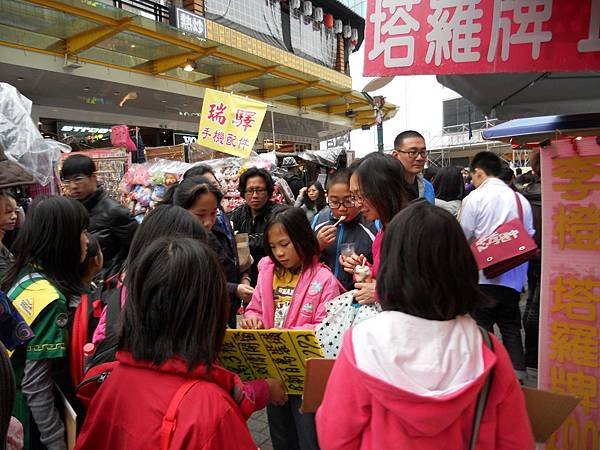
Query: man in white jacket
490,205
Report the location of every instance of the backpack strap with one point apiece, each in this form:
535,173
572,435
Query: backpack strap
519,207
483,394
169,422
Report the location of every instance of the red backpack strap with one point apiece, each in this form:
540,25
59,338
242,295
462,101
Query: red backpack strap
169,422
79,337
519,207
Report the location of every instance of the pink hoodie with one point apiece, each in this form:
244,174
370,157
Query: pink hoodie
316,286
402,382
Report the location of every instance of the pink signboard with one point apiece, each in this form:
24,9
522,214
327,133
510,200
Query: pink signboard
440,37
570,303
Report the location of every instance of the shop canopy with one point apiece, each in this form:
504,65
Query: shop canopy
94,33
537,129
327,158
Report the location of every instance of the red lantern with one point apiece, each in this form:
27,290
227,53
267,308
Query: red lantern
328,21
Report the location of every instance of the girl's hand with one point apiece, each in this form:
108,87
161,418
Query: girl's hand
277,393
365,293
350,262
244,292
302,191
326,236
252,323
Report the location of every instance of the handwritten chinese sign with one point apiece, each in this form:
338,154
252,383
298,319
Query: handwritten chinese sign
408,37
570,302
255,354
230,123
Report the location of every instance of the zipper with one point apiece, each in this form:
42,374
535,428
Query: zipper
100,378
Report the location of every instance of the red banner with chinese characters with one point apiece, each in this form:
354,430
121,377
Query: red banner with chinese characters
442,37
230,123
569,339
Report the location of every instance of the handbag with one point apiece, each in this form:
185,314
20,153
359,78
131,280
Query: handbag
342,313
507,247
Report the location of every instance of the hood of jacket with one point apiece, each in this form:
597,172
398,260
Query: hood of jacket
429,372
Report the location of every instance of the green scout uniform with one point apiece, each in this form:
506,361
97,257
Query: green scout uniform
44,309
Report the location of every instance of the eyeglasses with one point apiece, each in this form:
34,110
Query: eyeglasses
357,198
255,191
413,153
76,180
347,202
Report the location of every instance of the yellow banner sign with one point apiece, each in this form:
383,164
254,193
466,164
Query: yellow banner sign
230,123
256,354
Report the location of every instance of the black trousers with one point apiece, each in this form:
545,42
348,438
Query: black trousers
506,314
291,430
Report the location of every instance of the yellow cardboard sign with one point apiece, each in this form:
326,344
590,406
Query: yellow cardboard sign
282,354
230,123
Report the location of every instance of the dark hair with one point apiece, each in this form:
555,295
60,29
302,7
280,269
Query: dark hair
449,184
93,249
188,190
255,172
161,319
519,171
406,135
198,171
430,173
534,162
489,162
162,221
320,203
50,242
382,182
296,225
342,176
415,276
7,394
77,165
507,175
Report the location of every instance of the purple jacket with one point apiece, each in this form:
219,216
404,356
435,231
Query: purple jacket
316,285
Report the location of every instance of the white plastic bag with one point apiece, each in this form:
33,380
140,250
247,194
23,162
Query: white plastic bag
341,315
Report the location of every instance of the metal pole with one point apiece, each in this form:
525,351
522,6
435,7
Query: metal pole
273,128
379,120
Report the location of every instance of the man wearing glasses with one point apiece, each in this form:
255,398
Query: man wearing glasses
110,222
256,187
410,150
333,234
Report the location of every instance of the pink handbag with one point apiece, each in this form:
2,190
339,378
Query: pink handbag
507,247
119,137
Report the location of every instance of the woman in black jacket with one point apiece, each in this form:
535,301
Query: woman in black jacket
201,198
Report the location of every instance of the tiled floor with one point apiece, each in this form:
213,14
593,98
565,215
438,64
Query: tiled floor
259,427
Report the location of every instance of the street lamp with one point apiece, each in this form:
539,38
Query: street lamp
377,103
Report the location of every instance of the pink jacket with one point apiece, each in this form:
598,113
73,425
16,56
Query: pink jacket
376,249
362,411
316,286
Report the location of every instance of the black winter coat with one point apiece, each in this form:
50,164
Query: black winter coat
113,226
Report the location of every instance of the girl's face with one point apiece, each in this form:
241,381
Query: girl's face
83,242
313,193
8,213
366,208
205,210
282,247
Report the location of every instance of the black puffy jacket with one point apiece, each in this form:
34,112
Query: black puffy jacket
113,226
243,222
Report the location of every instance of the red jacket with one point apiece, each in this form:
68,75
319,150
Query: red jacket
128,410
363,411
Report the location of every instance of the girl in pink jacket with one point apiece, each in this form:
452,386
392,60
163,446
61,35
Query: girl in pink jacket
291,292
409,377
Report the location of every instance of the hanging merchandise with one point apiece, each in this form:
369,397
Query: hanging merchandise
354,35
119,137
21,140
295,4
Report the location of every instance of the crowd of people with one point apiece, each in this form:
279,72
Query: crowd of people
145,308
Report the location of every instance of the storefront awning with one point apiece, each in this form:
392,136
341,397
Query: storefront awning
93,32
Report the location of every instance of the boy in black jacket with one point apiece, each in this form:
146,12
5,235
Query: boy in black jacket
353,229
